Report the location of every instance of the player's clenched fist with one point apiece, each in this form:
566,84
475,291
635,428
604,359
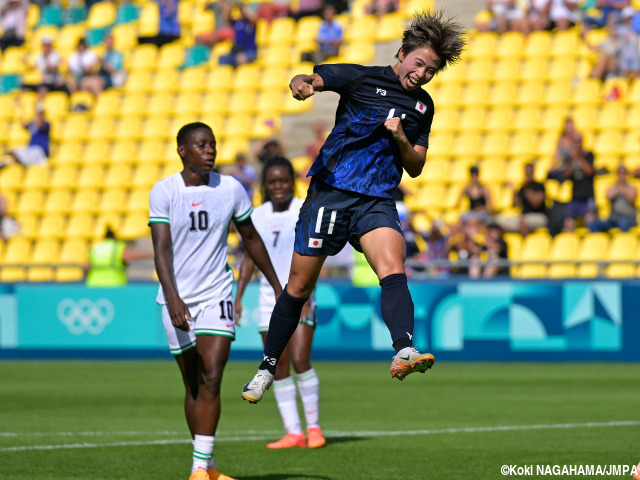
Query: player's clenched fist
394,125
300,89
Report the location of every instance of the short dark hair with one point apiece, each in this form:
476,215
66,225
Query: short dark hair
277,161
446,37
187,129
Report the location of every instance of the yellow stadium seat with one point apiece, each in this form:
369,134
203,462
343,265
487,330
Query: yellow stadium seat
492,171
101,14
145,176
193,79
587,92
247,77
467,144
108,103
52,226
281,31
500,120
86,200
73,251
17,253
277,55
114,200
269,102
97,152
124,152
453,75
45,255
125,36
69,153
482,46
242,102
538,44
63,177
528,119
449,96
611,117
165,81
293,106
139,199
160,104
510,45
436,170
565,44
129,128
68,38
156,129
228,150
143,58
531,94
524,144
152,151
480,70
203,21
74,128
585,118
265,125
594,248
138,82
503,95
390,27
473,120
623,247
133,104
30,202
565,247
102,129
507,70
558,94
535,248
149,20
189,103
80,226
171,56
553,118
221,78
306,31
118,176
36,178
515,172
561,69
494,144
58,201
56,104
608,142
134,226
91,177
11,178
475,95
631,144
12,61
440,145
447,120
361,29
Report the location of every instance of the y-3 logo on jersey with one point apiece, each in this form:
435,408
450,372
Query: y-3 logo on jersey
381,92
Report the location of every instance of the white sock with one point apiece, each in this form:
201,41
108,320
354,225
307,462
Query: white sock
202,452
309,388
285,393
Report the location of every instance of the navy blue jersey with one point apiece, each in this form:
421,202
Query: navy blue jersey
360,155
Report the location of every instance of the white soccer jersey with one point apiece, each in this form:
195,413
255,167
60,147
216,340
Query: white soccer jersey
277,230
199,219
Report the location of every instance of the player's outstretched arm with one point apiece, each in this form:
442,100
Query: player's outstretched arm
413,157
244,275
179,312
303,86
254,246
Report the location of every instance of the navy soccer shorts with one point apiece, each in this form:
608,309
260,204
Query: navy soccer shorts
329,217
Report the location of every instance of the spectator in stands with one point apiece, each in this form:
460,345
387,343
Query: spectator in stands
619,53
497,252
622,197
221,30
4,209
464,242
608,10
382,7
274,9
168,27
244,49
580,170
479,196
531,198
438,248
111,65
319,137
506,15
244,173
567,138
328,38
307,8
13,22
37,152
564,13
272,147
83,69
413,239
538,15
108,261
48,62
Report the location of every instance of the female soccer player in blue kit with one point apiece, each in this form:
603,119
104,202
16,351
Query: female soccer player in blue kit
382,126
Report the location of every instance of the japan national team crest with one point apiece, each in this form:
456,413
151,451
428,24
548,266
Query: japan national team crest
315,242
421,107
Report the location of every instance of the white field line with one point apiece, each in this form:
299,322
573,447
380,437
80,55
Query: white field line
249,435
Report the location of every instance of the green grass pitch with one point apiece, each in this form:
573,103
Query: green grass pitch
123,420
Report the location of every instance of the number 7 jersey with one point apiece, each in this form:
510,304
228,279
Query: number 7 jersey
199,220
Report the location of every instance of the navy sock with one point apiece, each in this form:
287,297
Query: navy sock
396,306
284,321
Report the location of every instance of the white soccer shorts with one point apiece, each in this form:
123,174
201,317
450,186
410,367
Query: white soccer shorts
213,317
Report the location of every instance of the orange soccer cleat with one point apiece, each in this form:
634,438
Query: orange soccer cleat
290,440
316,440
413,361
214,474
199,475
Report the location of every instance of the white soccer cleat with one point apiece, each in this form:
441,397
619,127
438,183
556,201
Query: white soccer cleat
408,361
254,390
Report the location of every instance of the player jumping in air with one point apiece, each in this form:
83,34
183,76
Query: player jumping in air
382,127
189,216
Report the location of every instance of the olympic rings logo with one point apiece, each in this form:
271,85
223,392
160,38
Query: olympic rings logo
85,315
